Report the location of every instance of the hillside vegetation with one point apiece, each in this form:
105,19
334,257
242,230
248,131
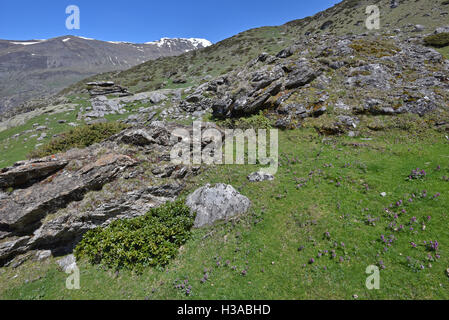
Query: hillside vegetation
363,119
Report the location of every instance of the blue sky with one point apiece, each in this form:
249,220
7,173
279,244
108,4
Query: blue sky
148,20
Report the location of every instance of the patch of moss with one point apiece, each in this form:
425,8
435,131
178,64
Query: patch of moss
439,40
374,48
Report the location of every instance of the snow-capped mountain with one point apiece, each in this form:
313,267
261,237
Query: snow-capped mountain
34,68
168,42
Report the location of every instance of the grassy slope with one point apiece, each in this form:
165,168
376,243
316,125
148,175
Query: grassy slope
290,217
283,218
15,149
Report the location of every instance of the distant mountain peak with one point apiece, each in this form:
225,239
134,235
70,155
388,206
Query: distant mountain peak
30,68
196,42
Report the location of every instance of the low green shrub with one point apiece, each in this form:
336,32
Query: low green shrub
80,137
375,48
147,241
258,121
439,40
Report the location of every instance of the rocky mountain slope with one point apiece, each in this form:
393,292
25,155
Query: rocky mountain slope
405,18
326,75
31,69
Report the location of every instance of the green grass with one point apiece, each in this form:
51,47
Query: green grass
15,149
285,217
444,51
439,40
79,137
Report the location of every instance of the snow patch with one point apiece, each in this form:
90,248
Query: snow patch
26,43
85,38
196,42
119,42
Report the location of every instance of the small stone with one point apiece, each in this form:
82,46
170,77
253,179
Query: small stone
41,128
260,176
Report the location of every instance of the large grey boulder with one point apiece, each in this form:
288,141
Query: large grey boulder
157,97
214,203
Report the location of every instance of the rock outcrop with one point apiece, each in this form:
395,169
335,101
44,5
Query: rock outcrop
384,75
105,88
49,203
215,203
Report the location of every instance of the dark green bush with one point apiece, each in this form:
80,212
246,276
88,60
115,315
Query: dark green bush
147,241
80,137
437,40
258,121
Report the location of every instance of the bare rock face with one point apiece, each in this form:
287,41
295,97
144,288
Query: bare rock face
214,203
403,76
27,171
27,206
106,87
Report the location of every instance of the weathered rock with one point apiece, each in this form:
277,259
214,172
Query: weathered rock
28,206
26,172
287,52
102,88
43,255
348,121
283,123
12,247
372,75
157,97
444,29
214,203
303,74
221,108
394,4
419,28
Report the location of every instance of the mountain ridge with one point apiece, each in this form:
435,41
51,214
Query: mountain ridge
31,68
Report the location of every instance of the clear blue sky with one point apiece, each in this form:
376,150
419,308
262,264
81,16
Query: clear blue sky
148,20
